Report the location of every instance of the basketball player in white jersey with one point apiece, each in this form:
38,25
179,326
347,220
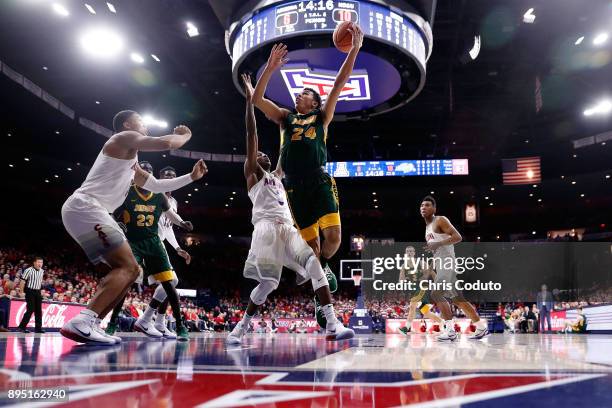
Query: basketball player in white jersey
276,242
86,215
166,233
441,236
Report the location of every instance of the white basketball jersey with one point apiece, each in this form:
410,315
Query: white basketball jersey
109,180
445,251
164,226
270,200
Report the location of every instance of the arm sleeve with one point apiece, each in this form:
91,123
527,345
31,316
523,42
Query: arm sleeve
174,217
171,238
166,185
26,275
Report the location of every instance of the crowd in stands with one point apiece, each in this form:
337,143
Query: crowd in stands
72,280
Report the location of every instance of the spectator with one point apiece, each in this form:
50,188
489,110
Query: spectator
545,304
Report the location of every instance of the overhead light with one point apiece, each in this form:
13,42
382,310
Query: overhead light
432,192
90,9
45,68
195,189
102,42
97,102
227,205
155,57
607,176
573,182
375,200
56,176
497,237
57,132
192,30
533,232
60,9
69,169
231,198
111,7
487,197
603,107
373,192
579,40
600,39
375,206
490,204
534,185
530,194
530,175
10,165
46,180
186,201
475,48
229,235
539,200
582,195
26,159
189,194
233,192
452,192
137,58
492,188
149,120
529,17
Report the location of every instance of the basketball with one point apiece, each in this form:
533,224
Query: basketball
343,39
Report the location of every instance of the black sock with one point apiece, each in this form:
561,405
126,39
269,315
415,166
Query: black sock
116,311
173,299
154,303
163,306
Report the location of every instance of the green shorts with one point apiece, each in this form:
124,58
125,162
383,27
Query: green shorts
314,203
151,254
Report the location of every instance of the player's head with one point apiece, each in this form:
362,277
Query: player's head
167,172
307,100
38,262
264,161
410,251
129,120
428,207
146,166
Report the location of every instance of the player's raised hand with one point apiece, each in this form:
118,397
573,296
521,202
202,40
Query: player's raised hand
248,86
187,226
357,34
199,170
278,56
181,130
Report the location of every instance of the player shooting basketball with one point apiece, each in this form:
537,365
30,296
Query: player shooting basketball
312,193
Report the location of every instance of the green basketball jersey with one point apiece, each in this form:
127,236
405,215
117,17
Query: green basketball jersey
303,143
141,213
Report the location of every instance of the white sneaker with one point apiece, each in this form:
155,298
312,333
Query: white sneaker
338,332
447,336
160,326
82,329
479,333
235,337
97,327
147,328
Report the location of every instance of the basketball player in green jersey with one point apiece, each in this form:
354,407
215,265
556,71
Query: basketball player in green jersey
312,193
140,213
417,274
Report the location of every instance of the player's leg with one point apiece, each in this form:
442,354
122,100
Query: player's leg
448,329
257,298
414,303
159,302
161,323
470,311
113,323
124,270
303,260
327,211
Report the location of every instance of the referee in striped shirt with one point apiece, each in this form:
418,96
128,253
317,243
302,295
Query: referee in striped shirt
32,281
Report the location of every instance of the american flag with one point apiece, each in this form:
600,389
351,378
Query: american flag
523,170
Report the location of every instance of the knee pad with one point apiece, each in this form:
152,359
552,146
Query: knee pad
315,271
261,292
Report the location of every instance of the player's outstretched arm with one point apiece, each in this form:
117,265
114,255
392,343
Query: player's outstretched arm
343,76
252,143
148,182
134,140
177,220
278,58
448,228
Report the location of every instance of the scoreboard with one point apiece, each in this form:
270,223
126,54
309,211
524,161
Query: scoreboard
288,19
439,167
389,71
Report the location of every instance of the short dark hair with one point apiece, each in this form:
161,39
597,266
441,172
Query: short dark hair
36,258
120,118
430,199
165,169
315,95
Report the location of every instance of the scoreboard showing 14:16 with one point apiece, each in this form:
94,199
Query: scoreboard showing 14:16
314,15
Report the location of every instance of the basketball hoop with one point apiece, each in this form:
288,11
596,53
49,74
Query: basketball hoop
357,279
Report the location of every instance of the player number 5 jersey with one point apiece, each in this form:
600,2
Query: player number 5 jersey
270,200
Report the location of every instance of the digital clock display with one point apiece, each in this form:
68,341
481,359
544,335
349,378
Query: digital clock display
440,167
303,17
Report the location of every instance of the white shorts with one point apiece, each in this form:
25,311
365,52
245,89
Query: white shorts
91,226
273,246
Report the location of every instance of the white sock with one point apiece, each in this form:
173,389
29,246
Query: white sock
148,314
246,320
330,315
449,325
88,313
481,324
160,318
